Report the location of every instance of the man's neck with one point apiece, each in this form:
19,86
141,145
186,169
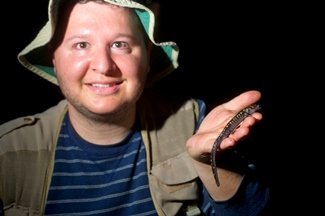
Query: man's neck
102,130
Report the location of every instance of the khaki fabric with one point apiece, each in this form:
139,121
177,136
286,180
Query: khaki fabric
27,147
165,130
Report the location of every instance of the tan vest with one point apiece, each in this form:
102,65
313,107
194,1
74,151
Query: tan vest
27,147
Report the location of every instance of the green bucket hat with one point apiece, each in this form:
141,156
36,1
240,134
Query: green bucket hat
36,58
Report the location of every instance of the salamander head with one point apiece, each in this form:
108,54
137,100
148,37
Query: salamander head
253,108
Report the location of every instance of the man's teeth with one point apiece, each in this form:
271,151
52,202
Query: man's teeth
103,85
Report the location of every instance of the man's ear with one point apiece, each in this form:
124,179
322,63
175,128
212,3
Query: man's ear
50,49
150,45
149,48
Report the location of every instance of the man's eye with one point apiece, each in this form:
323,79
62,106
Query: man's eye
120,45
82,45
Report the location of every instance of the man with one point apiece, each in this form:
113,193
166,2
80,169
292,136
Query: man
114,147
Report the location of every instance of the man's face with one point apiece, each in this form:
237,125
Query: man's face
102,60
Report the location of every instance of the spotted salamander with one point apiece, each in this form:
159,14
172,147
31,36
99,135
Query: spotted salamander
229,129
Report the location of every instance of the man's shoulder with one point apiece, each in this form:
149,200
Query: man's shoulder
47,118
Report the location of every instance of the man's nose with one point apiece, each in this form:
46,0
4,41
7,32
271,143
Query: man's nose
102,61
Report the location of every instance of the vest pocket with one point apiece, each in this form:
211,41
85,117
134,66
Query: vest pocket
176,172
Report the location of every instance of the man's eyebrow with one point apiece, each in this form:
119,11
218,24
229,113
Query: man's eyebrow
126,35
78,36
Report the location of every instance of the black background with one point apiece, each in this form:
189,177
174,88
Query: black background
224,51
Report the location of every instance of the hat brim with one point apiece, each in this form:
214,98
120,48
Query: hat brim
36,58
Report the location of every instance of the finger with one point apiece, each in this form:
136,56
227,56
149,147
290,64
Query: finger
251,120
243,100
234,138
